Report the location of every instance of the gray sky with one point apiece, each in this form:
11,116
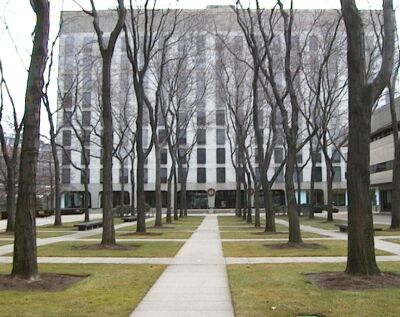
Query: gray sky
17,23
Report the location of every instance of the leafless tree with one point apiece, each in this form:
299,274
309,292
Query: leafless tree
363,94
24,256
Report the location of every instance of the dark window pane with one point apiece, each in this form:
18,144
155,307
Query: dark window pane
164,156
86,116
201,175
220,117
221,136
85,176
66,176
85,156
278,155
164,175
220,156
123,175
66,156
337,177
335,156
201,137
86,99
201,118
66,140
201,156
220,175
318,174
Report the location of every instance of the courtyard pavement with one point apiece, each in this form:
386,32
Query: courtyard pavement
195,284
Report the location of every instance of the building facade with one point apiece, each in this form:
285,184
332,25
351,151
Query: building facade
208,133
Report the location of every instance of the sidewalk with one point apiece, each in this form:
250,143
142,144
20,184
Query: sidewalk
195,284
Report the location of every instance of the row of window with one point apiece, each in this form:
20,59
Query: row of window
201,175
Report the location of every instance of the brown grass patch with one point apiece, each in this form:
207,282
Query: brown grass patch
284,246
343,281
45,282
117,247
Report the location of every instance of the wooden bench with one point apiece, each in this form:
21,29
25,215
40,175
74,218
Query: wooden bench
83,226
345,227
129,218
44,213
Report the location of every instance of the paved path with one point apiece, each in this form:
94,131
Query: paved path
195,284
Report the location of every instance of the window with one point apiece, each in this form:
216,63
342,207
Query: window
317,156
123,176
85,177
66,156
86,137
86,99
335,156
182,137
278,155
201,118
67,117
221,156
220,117
181,174
182,155
299,157
66,176
260,118
68,82
318,174
257,172
298,175
337,177
201,137
85,155
201,156
164,175
313,44
67,101
220,174
164,156
101,176
66,138
162,135
201,175
86,116
221,136
279,178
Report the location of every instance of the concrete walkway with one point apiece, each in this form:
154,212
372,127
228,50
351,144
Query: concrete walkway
195,284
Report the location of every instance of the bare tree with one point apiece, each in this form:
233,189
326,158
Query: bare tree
362,96
24,256
10,152
106,48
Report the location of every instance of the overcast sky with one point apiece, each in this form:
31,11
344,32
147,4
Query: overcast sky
17,23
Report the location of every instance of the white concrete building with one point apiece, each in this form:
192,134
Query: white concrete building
210,163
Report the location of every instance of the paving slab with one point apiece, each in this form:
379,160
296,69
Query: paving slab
195,284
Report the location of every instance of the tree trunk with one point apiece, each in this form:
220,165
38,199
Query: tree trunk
132,189
237,195
176,215
362,94
157,152
122,191
108,237
24,257
11,198
312,186
329,181
257,220
395,219
86,197
169,195
57,189
249,218
245,203
294,223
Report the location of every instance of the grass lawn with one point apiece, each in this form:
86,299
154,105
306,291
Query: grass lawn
3,242
387,232
321,223
39,234
281,290
110,290
259,249
144,249
154,234
184,224
261,235
393,240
